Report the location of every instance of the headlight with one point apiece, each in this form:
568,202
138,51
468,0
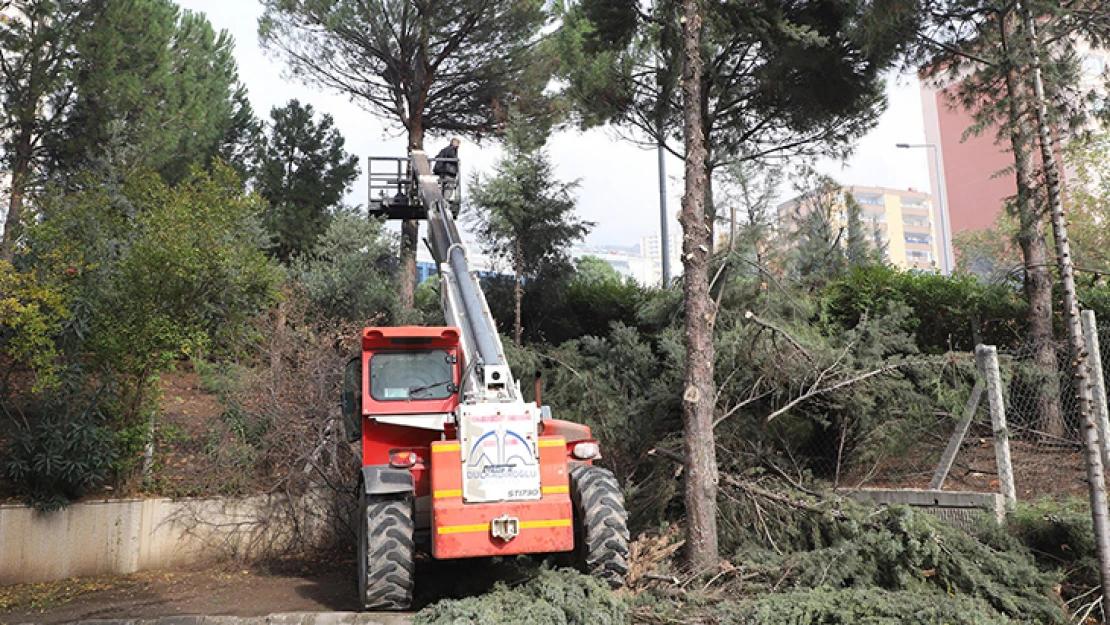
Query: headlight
585,450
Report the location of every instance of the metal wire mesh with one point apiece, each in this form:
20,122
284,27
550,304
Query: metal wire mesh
1043,425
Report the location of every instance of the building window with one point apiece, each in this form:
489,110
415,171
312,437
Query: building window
913,202
918,238
873,217
873,199
916,256
917,222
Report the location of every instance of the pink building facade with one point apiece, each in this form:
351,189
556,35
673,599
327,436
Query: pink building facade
974,190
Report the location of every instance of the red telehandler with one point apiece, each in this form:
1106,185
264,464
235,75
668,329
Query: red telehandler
454,461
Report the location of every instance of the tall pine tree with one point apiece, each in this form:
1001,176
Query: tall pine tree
155,87
428,65
303,173
36,60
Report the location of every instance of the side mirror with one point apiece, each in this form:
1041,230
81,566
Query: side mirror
351,399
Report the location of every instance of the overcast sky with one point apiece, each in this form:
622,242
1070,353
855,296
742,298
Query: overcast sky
619,187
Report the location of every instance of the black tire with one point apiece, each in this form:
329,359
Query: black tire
600,524
385,553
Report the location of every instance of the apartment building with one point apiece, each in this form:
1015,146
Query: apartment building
977,169
903,221
653,260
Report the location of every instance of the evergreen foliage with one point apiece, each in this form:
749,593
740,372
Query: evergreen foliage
896,548
795,79
36,59
303,173
863,606
523,216
453,67
155,88
553,597
350,274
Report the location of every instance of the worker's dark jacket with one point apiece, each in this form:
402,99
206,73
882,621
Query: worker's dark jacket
447,168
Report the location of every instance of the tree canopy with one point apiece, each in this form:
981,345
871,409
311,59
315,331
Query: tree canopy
427,65
523,215
303,172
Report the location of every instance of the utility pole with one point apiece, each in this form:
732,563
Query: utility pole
664,228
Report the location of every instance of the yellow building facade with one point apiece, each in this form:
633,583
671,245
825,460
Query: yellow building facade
903,220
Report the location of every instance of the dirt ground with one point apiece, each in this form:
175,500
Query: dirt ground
325,583
215,591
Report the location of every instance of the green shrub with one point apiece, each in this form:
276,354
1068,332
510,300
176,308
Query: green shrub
55,461
1060,536
861,606
555,597
349,274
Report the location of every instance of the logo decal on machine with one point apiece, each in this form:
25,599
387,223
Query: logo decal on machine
501,454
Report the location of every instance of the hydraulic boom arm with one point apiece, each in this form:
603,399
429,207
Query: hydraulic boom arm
488,377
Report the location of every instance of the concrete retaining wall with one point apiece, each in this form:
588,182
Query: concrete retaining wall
956,507
128,535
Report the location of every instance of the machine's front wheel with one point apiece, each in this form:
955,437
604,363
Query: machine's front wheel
600,524
385,553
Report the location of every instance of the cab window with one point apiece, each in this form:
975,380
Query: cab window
409,375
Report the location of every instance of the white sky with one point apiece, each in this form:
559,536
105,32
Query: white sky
619,188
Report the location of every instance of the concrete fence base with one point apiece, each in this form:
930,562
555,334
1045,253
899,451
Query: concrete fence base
955,507
129,535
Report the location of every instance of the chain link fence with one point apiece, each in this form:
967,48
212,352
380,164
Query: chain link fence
1043,427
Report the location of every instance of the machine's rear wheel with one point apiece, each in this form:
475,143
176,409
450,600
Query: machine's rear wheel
600,524
385,553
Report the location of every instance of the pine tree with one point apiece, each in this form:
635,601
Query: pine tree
302,172
979,49
154,87
427,65
781,80
36,57
525,216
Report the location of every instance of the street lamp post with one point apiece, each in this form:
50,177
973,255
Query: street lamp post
945,230
664,230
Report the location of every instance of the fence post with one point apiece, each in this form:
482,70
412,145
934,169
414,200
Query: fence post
1098,385
958,435
988,355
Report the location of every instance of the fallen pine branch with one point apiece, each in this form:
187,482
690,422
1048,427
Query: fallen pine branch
850,381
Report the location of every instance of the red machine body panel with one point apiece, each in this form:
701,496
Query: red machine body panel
408,339
461,530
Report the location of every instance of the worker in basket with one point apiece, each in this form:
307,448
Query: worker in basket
447,168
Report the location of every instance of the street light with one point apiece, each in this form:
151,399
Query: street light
945,230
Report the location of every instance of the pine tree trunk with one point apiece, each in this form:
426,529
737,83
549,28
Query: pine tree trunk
1034,250
698,397
20,170
1096,479
518,290
410,230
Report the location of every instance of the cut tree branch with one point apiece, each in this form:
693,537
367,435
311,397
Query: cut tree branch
774,328
859,378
